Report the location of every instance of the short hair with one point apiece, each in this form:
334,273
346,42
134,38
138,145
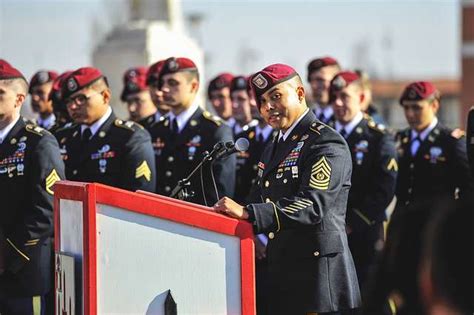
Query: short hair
364,78
19,84
192,74
100,85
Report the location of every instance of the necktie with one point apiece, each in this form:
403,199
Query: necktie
86,136
322,118
343,133
415,145
174,129
260,138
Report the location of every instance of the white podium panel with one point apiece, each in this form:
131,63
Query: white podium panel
132,249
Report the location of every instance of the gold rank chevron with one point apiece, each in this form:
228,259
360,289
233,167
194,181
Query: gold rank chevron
320,174
143,170
52,178
392,165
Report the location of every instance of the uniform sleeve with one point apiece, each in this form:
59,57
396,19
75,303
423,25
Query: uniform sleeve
36,222
325,182
470,140
382,188
139,163
224,169
461,169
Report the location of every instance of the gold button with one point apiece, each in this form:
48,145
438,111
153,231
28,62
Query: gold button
267,200
271,235
267,183
167,188
412,166
74,172
168,173
316,253
285,181
170,159
410,190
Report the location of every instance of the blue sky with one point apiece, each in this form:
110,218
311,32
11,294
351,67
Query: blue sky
392,39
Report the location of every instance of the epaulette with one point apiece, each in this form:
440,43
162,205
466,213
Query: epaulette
129,125
212,118
457,133
377,127
36,129
69,125
317,127
251,124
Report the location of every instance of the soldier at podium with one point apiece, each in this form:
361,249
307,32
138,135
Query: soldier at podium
299,201
30,164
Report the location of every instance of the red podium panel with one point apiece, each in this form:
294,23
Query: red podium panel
131,250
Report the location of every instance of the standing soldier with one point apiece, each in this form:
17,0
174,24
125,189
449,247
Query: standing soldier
300,202
59,106
136,94
218,93
374,171
30,164
470,140
99,147
367,104
256,131
181,139
153,83
41,85
432,162
241,107
320,73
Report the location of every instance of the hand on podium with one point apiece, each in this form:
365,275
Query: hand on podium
231,208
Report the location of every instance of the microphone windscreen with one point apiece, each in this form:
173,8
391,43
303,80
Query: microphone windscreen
241,144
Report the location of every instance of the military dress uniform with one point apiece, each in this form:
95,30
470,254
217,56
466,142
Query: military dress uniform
30,164
374,176
438,168
119,154
247,161
178,154
300,203
470,140
149,121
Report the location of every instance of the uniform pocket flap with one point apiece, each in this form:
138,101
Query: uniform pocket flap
328,243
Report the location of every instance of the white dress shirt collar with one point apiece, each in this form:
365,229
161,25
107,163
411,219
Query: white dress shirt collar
183,117
425,132
96,126
288,132
349,127
5,131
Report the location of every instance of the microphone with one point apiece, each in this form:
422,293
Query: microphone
240,145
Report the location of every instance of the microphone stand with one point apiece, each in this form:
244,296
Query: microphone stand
181,191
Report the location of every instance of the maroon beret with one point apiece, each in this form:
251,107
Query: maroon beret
134,81
340,81
7,71
79,79
239,83
223,80
319,63
42,77
270,76
177,64
153,73
418,91
55,94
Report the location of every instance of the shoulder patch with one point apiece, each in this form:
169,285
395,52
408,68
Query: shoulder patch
212,118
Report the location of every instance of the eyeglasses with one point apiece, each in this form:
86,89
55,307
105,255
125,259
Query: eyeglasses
80,99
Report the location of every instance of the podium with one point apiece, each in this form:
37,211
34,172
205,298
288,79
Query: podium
121,252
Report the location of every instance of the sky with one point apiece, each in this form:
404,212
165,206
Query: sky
404,39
